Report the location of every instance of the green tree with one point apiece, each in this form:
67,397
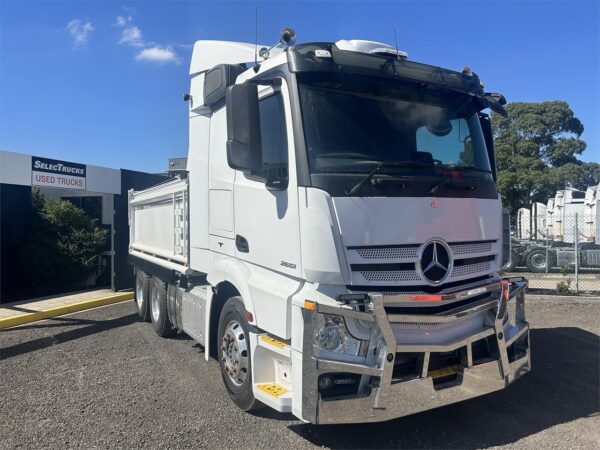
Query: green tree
537,146
64,244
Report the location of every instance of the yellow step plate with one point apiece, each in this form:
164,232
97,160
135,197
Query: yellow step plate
272,341
274,390
451,370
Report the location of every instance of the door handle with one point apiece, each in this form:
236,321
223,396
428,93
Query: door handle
241,243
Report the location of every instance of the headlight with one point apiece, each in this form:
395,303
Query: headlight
331,335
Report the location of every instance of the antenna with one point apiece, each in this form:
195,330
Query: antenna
396,39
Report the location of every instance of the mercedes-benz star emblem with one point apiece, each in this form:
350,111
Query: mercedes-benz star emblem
435,261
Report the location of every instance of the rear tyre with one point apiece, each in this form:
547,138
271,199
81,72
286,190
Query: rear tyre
158,308
234,354
536,260
142,283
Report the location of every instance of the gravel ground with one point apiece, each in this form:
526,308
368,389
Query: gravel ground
100,378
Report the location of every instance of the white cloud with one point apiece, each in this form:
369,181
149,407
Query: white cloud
130,34
79,31
158,54
121,21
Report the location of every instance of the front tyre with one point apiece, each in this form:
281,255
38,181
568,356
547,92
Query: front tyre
158,308
234,354
142,284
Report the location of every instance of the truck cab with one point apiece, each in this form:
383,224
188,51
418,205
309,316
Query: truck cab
336,241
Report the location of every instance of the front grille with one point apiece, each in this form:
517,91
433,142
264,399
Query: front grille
388,253
470,269
391,276
471,248
391,265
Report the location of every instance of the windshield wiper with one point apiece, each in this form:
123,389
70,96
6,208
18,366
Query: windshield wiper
450,172
384,165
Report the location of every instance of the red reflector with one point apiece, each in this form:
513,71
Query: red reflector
249,317
425,298
505,289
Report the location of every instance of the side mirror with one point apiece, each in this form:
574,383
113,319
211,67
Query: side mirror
243,127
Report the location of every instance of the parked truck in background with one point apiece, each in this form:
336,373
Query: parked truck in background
547,234
336,239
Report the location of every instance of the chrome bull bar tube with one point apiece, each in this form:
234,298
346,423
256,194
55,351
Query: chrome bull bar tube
386,398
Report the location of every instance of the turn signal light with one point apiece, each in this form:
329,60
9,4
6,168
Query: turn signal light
505,289
310,305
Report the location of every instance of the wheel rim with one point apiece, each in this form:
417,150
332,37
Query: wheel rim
234,353
538,261
155,307
139,295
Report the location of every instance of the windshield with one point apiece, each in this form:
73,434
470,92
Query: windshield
351,125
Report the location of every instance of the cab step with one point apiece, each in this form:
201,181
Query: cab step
274,395
275,345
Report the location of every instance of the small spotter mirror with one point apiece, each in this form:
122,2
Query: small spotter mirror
498,97
494,102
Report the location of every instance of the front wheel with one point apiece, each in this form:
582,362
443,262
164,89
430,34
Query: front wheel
234,354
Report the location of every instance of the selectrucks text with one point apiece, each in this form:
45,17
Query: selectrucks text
336,240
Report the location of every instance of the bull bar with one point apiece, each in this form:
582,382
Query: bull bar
386,398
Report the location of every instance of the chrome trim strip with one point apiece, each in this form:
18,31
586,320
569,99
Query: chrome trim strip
462,295
445,347
348,367
517,335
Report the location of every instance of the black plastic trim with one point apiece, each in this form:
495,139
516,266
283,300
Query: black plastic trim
383,267
360,247
469,261
301,59
160,272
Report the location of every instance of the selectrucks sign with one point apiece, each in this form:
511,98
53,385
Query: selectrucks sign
51,172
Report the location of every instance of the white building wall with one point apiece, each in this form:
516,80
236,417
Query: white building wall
15,168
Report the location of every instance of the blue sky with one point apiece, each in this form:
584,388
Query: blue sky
101,82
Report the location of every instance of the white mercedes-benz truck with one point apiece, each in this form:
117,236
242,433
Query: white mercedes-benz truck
336,240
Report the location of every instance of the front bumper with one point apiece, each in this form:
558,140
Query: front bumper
383,396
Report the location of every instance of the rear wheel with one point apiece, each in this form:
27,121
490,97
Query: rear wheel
536,260
142,282
234,354
158,308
